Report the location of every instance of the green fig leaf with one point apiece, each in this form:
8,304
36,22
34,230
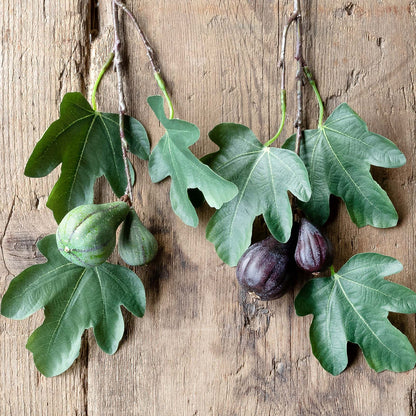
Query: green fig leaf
171,157
352,306
338,157
75,298
263,176
136,244
87,143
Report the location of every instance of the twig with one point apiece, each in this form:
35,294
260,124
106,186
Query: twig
299,79
296,16
282,66
150,53
121,99
302,68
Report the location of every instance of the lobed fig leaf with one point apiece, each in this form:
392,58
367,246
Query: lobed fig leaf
87,143
352,306
338,156
87,234
136,244
263,175
171,157
74,298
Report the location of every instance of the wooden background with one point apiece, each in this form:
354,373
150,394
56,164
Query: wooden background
197,352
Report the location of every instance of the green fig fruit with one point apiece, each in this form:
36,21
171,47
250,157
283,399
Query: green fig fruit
87,235
136,244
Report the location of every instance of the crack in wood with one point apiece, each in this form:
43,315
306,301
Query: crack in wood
412,402
4,233
44,10
256,317
93,20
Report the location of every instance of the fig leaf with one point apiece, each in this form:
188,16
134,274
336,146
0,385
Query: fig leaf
263,176
352,306
171,157
87,143
338,157
75,298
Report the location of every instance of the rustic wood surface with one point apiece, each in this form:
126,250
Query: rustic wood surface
197,352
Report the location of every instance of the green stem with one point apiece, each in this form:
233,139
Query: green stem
332,270
97,83
150,53
165,93
318,96
282,122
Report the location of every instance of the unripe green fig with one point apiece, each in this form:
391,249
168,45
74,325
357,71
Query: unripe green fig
136,244
87,235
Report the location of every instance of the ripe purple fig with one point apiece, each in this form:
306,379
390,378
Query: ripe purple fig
313,250
265,268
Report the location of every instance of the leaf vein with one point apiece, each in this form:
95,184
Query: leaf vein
61,317
364,321
348,175
235,158
74,177
231,227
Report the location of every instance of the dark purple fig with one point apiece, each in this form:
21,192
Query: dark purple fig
313,250
265,268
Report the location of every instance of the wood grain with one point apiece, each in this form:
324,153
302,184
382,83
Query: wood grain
197,351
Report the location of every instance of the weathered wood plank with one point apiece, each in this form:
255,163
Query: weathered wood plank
205,358
197,351
43,55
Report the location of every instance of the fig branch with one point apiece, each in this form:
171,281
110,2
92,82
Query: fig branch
282,66
150,53
121,99
299,79
294,17
302,68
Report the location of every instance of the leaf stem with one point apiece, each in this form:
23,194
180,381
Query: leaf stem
282,121
97,82
332,270
162,86
121,98
312,82
150,53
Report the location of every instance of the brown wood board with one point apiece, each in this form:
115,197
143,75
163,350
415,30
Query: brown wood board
197,352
